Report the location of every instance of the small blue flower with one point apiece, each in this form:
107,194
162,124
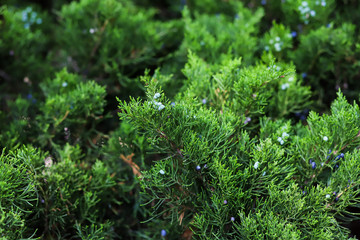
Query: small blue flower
204,101
304,192
161,107
310,161
247,120
313,165
172,104
39,21
205,166
163,233
33,16
198,167
24,16
334,193
232,219
263,2
225,202
336,199
157,95
304,75
293,34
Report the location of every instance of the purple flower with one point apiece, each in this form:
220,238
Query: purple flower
232,219
163,233
198,167
225,202
204,101
310,161
205,166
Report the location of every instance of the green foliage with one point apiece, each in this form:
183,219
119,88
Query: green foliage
266,87
236,131
332,52
210,173
69,103
214,37
277,39
18,191
312,13
99,36
23,46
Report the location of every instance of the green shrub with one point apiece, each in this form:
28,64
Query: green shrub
23,47
218,181
238,119
101,43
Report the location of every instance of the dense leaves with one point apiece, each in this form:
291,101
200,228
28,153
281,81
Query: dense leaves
238,119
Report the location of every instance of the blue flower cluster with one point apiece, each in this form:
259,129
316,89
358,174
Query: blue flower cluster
312,163
303,114
29,17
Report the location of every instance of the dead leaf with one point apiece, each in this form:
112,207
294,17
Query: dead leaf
187,235
135,168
